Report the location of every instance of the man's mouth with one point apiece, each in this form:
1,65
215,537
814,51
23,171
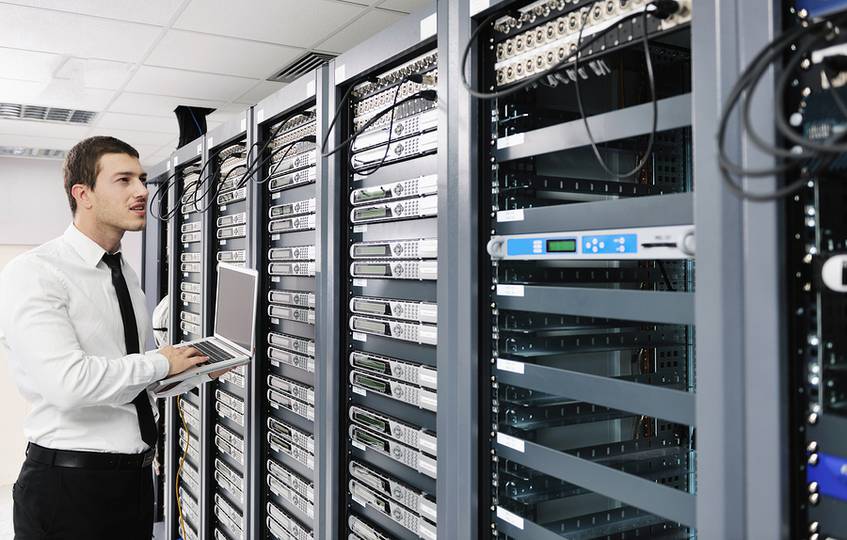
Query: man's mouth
139,208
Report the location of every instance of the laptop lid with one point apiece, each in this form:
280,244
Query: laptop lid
235,306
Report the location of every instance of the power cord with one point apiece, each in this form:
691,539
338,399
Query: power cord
662,9
418,78
288,147
260,161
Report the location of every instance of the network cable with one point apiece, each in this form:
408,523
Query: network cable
418,78
667,9
807,157
253,167
288,147
662,9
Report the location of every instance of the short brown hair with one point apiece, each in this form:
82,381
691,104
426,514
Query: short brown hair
82,163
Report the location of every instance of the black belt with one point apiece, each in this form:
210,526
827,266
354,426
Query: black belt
88,460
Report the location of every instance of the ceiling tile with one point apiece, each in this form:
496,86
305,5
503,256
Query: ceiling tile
276,21
74,35
150,11
361,29
135,138
407,5
58,93
28,65
31,141
217,54
174,82
105,74
153,105
44,129
260,92
138,122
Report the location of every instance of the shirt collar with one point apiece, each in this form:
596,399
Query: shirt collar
89,250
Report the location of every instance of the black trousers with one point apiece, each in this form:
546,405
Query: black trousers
58,503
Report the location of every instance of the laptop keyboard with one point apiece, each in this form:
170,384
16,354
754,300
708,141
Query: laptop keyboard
215,354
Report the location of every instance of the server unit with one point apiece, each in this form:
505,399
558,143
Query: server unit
389,194
286,355
588,299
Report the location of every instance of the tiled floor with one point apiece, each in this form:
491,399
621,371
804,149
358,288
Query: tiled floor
6,530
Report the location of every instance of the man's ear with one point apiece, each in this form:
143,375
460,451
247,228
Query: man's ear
82,194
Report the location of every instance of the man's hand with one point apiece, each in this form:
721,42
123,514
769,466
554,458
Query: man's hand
182,358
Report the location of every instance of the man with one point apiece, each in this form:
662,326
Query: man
73,321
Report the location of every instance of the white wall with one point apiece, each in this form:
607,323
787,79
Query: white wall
34,208
14,407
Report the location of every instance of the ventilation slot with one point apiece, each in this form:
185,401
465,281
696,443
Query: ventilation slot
15,111
301,66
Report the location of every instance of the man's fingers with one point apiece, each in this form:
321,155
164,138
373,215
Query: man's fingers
217,374
198,360
191,352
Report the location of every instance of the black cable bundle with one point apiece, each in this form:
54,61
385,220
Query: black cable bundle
807,157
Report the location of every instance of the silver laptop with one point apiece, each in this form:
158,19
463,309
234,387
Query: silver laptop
233,342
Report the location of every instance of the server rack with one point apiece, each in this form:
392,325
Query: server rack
154,278
187,416
816,234
228,498
589,289
737,314
388,324
288,363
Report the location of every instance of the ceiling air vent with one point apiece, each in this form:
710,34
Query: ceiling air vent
15,111
301,66
21,151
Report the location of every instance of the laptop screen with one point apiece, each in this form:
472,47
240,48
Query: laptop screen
235,305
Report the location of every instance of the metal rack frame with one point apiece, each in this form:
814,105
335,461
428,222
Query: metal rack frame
740,319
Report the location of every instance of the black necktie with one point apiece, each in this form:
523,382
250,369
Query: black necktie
146,423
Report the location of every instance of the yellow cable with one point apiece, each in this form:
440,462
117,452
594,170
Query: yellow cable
181,464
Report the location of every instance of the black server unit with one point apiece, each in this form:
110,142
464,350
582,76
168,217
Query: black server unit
227,498
587,305
389,329
812,90
188,298
285,347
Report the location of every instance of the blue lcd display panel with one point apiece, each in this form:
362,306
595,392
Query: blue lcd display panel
599,244
819,8
831,475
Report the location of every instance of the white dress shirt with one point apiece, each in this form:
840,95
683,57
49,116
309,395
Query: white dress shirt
61,325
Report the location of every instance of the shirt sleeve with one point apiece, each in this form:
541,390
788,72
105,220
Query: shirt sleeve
36,324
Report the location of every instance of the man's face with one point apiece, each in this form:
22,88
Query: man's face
119,197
